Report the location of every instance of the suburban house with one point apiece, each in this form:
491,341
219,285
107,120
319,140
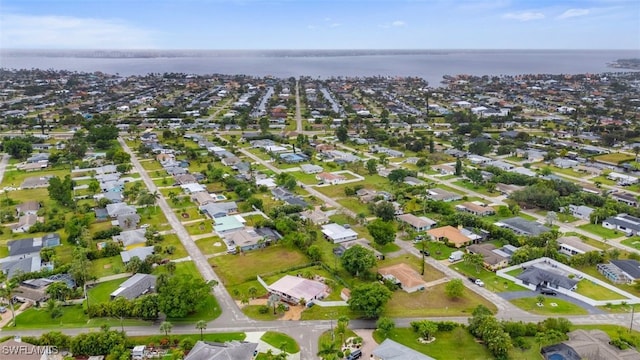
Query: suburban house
493,258
35,182
294,289
217,210
588,344
523,227
316,216
245,239
131,238
202,198
120,209
573,245
140,252
127,222
444,169
226,224
623,222
338,233
564,163
417,223
443,195
311,168
24,223
508,189
192,188
413,181
185,179
620,271
391,350
622,179
31,246
15,349
28,207
205,350
625,198
476,209
13,267
540,275
330,178
451,235
137,285
403,275
581,211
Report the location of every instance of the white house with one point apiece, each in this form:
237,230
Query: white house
338,233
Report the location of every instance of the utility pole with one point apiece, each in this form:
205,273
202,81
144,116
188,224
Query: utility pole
633,311
422,273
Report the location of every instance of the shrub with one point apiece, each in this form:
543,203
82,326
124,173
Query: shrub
447,325
263,309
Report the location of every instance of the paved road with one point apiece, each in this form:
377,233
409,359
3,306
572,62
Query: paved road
298,109
233,313
3,165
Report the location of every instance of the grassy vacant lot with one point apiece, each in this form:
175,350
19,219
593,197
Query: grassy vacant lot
278,340
456,344
615,158
433,302
72,316
598,230
563,307
236,269
14,178
107,266
596,292
633,242
219,337
208,311
491,281
479,189
207,245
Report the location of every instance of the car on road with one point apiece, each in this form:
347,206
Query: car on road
425,252
472,279
479,282
356,354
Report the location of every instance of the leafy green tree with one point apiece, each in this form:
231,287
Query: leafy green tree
7,289
480,147
19,148
383,232
385,325
454,288
372,166
314,253
369,299
475,175
476,260
425,328
166,327
385,210
61,190
357,259
458,170
181,295
342,134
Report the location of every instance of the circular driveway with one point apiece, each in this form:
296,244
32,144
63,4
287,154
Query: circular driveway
511,295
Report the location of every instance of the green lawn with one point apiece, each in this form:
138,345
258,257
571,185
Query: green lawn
615,158
596,292
633,242
14,178
437,249
207,245
72,316
236,269
456,344
107,266
208,311
604,233
563,307
200,227
309,179
280,340
100,292
491,281
479,189
387,248
218,337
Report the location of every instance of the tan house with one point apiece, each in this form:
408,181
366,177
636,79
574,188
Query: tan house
492,260
330,178
403,275
451,235
202,198
316,216
476,209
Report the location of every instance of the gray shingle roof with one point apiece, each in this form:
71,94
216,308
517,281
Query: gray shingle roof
135,286
536,276
233,350
631,267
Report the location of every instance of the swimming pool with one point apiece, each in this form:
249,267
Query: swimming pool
556,357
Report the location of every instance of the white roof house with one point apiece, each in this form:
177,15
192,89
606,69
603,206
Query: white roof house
192,188
293,289
338,233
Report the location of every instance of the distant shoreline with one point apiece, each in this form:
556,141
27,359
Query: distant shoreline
629,64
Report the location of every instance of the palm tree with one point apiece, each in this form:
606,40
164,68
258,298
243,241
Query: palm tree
252,292
328,350
341,327
201,325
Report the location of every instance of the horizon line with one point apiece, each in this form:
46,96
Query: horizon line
323,49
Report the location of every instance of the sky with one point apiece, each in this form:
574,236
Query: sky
320,24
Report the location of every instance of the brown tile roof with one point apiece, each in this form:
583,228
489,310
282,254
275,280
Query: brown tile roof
452,234
405,274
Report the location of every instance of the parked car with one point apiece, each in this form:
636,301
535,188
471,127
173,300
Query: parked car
356,354
425,252
548,292
3,309
472,279
479,282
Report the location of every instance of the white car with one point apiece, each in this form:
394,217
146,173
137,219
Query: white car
479,282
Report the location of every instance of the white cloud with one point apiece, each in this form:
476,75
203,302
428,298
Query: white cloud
398,23
524,16
67,32
574,13
334,25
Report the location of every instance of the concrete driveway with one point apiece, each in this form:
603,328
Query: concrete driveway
510,295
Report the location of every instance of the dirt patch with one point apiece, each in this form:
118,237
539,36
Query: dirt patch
293,313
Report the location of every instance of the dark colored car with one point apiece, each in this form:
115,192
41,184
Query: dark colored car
425,252
356,354
548,292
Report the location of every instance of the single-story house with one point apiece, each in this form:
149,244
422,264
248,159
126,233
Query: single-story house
32,245
444,169
135,286
620,271
219,209
184,179
14,267
120,209
546,277
403,275
588,344
443,195
625,198
476,209
226,224
294,289
338,233
35,182
192,188
205,350
24,223
311,168
581,211
316,216
450,234
131,237
417,223
573,245
246,239
523,227
127,222
413,181
623,222
493,258
508,189
565,163
28,207
330,178
202,198
140,252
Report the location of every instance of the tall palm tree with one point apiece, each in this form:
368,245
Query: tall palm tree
166,327
6,291
328,350
201,325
